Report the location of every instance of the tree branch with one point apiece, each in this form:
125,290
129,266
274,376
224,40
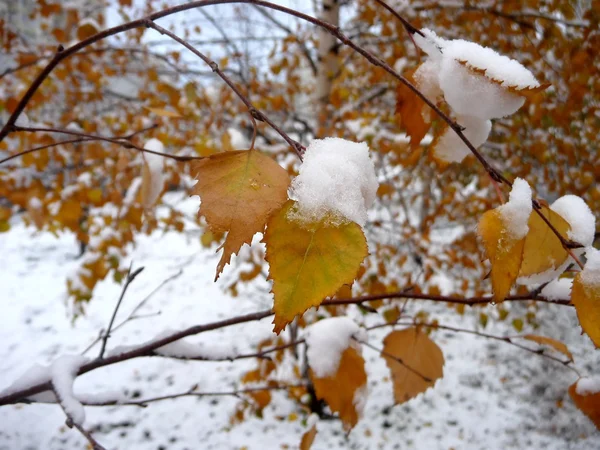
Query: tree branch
130,277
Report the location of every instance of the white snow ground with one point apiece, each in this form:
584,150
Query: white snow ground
492,395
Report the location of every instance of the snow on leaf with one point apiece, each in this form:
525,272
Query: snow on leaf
585,295
503,231
543,250
345,390
239,190
556,345
326,340
504,252
309,261
588,401
336,179
422,362
410,108
152,173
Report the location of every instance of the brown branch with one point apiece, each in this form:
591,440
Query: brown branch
142,350
123,142
442,298
76,141
71,423
506,339
130,278
252,111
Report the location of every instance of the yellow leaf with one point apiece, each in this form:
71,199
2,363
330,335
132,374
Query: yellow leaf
504,252
343,390
163,112
422,362
543,250
409,106
308,438
587,402
239,190
556,345
308,262
586,298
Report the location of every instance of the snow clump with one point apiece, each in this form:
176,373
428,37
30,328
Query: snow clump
478,84
336,179
515,213
590,275
326,341
588,385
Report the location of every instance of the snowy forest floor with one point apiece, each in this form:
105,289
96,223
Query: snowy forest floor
492,395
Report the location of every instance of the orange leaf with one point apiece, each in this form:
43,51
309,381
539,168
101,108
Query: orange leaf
505,253
556,345
308,438
410,108
543,250
239,190
86,29
422,362
344,391
585,295
588,402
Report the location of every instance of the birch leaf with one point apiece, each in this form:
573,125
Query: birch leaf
239,190
309,262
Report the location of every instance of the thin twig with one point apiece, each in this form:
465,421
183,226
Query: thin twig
254,113
71,423
130,277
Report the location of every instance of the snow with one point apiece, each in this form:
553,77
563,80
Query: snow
64,370
326,341
588,385
476,82
474,94
35,203
509,72
579,216
451,148
34,375
515,213
492,395
558,289
590,275
155,164
337,178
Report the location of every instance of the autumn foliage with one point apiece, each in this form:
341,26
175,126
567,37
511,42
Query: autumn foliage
505,161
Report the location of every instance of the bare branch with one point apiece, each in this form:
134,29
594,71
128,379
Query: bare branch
130,277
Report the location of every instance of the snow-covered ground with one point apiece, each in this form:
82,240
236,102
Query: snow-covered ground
492,395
